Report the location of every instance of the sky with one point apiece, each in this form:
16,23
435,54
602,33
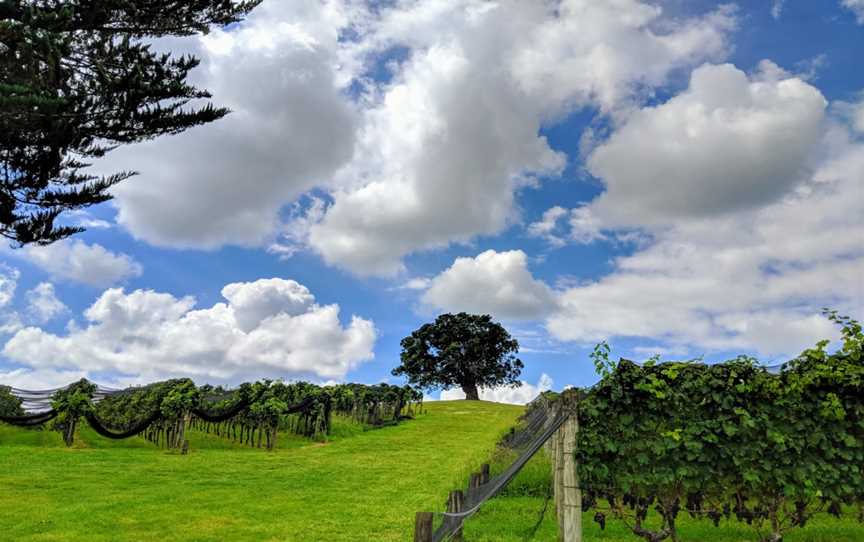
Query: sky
678,178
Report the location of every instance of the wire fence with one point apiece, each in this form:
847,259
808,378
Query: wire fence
538,426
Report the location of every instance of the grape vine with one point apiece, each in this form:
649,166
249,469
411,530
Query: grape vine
727,440
252,414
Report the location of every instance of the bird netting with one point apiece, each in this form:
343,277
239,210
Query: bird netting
30,420
538,424
214,416
100,428
253,413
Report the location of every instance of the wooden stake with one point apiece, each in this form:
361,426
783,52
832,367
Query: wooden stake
484,473
454,506
423,527
570,505
558,480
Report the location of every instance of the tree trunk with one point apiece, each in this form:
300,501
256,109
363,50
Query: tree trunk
69,431
470,390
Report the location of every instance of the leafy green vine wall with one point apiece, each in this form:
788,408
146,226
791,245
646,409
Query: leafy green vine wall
726,440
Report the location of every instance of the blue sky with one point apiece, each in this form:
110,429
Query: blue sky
682,178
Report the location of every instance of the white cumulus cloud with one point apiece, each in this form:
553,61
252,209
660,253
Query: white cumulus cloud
267,328
28,379
727,143
777,8
43,304
433,156
77,261
445,145
857,7
10,320
580,225
8,284
496,283
290,128
751,280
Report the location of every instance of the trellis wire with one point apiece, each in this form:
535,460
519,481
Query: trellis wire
541,424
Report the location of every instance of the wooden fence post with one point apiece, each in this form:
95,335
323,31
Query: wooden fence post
423,527
558,478
454,506
569,504
484,473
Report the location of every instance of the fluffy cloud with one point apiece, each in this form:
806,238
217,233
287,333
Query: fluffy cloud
426,159
517,396
77,261
8,284
82,218
446,143
580,226
777,8
28,379
439,161
10,321
727,143
610,53
496,283
752,280
857,7
253,302
290,128
267,328
417,283
43,304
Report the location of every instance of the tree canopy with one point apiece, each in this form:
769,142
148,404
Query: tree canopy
466,350
77,79
9,404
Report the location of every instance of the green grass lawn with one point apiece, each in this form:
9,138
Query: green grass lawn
359,486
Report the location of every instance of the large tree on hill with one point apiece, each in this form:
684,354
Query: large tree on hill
77,79
466,350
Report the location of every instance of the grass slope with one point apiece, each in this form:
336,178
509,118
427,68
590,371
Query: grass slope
359,486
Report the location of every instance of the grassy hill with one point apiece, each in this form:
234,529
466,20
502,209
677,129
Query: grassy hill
359,486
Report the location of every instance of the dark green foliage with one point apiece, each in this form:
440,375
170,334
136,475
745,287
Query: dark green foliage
305,409
9,404
251,414
71,403
725,440
463,350
77,79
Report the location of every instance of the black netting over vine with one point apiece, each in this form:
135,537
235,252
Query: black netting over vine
254,413
30,420
141,426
